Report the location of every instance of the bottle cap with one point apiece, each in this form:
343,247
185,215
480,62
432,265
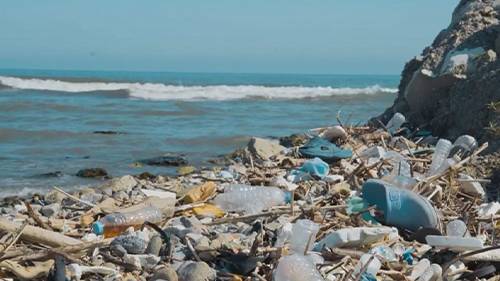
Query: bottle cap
98,228
288,197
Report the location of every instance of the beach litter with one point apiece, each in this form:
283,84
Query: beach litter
345,203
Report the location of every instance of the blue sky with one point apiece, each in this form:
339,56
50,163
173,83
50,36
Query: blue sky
276,36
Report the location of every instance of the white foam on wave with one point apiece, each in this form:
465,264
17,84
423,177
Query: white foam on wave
157,91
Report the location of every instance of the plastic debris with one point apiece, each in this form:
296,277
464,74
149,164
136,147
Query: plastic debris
251,199
379,216
399,207
316,167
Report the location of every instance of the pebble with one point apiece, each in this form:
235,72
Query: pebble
196,271
154,245
51,210
165,273
133,244
120,196
54,196
125,183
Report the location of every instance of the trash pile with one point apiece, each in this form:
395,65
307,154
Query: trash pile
337,203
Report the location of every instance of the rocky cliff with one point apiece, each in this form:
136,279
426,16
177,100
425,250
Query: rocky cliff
453,87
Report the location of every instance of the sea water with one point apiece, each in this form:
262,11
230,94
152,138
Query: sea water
48,118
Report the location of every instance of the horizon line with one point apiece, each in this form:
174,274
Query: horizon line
197,72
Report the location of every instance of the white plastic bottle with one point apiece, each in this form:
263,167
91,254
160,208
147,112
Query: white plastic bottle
298,266
251,199
114,224
441,152
395,123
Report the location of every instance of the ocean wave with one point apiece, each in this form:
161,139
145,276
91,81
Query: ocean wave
157,91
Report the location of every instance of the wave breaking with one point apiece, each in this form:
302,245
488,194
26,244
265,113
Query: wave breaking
158,91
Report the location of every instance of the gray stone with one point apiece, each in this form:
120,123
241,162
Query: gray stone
54,196
89,195
196,271
264,149
125,183
164,273
120,196
133,244
51,210
107,191
154,245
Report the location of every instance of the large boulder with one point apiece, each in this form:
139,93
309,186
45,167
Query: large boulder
453,87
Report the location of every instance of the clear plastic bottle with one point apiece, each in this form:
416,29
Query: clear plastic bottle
395,123
299,267
370,262
441,152
303,234
457,228
401,171
296,268
464,145
251,199
450,162
114,224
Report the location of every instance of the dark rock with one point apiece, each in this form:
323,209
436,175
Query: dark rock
92,173
293,140
146,176
55,174
109,133
166,160
51,210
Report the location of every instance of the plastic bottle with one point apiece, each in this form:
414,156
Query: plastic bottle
450,162
440,155
114,224
464,145
251,199
298,266
456,228
303,234
384,253
370,262
395,123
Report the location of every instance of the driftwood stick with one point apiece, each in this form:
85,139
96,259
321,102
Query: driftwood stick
16,237
39,235
40,255
191,249
35,217
74,198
